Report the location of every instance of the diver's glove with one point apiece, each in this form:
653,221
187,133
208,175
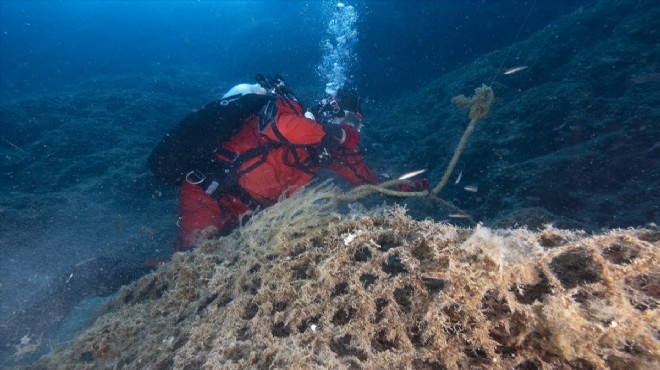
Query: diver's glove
351,137
417,185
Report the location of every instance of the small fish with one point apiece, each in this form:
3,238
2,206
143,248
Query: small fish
85,261
408,175
458,179
513,70
13,145
651,77
458,215
471,188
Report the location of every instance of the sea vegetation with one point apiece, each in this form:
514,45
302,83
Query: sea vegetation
302,286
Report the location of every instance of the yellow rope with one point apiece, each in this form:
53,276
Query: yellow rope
479,105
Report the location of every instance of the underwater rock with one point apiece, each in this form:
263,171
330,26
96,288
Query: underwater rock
575,133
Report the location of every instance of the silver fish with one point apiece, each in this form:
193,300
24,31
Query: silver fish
458,215
458,179
408,175
471,188
513,70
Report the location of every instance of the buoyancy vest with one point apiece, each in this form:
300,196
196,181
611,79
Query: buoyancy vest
267,161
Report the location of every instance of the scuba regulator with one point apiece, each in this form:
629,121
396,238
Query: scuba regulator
277,86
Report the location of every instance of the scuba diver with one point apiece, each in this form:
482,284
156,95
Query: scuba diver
250,148
231,157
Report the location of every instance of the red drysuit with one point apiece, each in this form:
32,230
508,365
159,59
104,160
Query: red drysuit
283,157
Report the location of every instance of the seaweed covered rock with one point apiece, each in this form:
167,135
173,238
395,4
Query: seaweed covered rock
302,287
560,135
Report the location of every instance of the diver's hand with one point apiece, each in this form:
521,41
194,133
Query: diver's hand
417,185
350,137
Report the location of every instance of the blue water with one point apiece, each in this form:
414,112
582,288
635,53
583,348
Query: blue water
87,88
401,44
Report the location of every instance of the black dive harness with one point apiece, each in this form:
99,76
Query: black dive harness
220,174
225,174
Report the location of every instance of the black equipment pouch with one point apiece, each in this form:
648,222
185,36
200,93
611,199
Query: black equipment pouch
192,143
